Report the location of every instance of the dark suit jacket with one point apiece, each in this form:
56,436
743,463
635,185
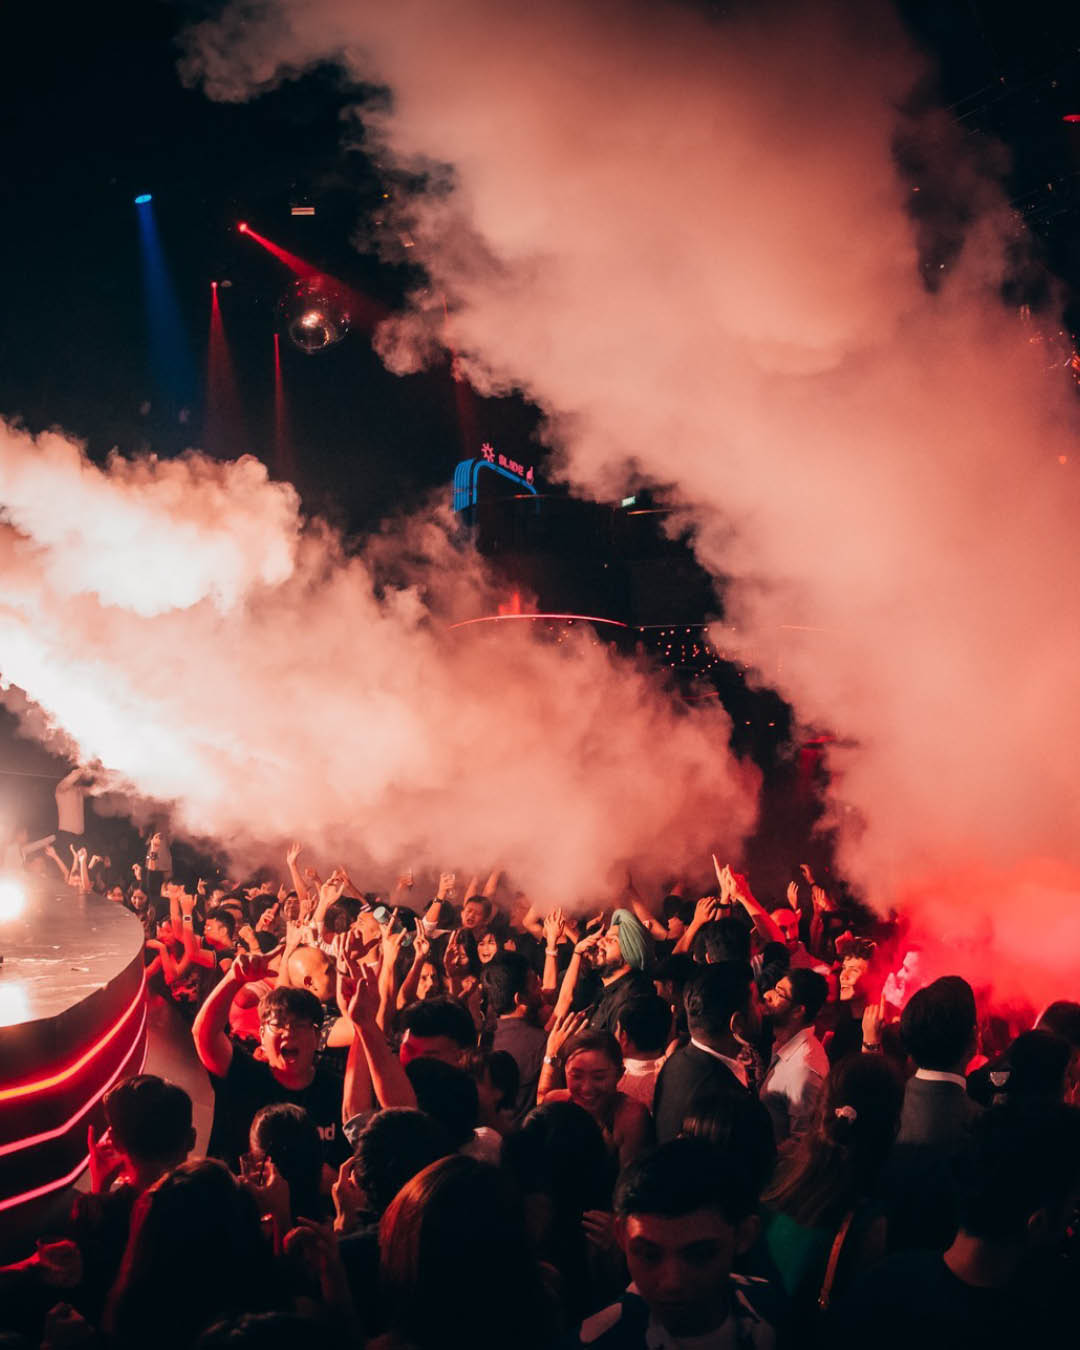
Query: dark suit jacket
690,1074
918,1190
936,1115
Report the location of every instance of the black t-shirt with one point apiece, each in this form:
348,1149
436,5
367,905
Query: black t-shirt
250,1085
914,1299
612,998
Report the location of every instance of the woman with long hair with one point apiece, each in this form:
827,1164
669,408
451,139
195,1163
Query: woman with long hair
456,1266
821,1224
199,1224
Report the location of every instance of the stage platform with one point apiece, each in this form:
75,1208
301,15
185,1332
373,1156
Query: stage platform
73,1021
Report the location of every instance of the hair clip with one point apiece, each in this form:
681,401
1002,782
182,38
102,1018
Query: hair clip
846,1113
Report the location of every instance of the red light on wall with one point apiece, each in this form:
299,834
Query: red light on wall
51,1080
1071,117
242,227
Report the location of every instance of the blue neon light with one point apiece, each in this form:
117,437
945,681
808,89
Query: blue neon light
143,198
466,474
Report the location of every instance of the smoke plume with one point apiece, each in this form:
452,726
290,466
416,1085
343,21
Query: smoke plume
181,623
690,243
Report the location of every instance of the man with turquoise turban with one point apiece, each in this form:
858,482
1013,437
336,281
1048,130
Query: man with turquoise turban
621,957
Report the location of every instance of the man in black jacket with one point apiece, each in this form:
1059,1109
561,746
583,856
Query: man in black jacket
722,1016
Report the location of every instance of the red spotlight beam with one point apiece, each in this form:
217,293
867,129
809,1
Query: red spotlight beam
291,261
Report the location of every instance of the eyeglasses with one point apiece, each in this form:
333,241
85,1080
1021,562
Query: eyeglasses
273,1024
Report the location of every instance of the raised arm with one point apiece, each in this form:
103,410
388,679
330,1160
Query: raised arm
210,1031
421,950
570,979
760,917
388,1078
704,912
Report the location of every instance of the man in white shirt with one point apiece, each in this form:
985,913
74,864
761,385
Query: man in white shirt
799,1065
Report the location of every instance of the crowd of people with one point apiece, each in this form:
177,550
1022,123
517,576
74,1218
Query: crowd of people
663,1123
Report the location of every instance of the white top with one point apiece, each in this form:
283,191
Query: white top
792,1086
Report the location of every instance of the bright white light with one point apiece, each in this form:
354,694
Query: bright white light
14,1003
12,898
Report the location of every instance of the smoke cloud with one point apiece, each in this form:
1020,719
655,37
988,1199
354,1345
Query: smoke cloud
180,622
690,243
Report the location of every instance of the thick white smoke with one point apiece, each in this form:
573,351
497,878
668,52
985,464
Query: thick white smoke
689,242
181,623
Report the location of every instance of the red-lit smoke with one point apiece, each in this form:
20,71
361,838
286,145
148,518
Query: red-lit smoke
690,243
179,622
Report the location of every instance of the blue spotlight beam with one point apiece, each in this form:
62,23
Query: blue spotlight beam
171,364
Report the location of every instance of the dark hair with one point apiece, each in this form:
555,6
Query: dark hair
715,995
392,1147
559,1154
685,1175
501,1067
738,1124
560,1150
150,1119
482,900
1062,1018
722,940
452,1219
342,914
1037,1062
288,1136
645,1020
602,1042
937,1026
809,990
447,1094
505,978
676,907
440,1016
837,1163
300,1003
1023,1157
198,1207
677,969
223,917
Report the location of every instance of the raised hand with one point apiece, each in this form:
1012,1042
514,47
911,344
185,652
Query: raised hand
455,957
566,1026
105,1160
330,891
822,903
251,966
267,918
363,1006
793,896
705,910
586,943
553,927
873,1019
447,881
295,849
348,1196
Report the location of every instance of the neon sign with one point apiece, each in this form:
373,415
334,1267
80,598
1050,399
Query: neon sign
468,472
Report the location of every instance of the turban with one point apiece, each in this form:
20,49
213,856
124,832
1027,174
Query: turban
632,939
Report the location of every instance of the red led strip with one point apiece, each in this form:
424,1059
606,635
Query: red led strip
40,1084
46,1135
498,618
27,1196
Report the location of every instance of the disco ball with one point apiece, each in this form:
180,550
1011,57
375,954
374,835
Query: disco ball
315,312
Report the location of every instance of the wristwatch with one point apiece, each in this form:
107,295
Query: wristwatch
550,1059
